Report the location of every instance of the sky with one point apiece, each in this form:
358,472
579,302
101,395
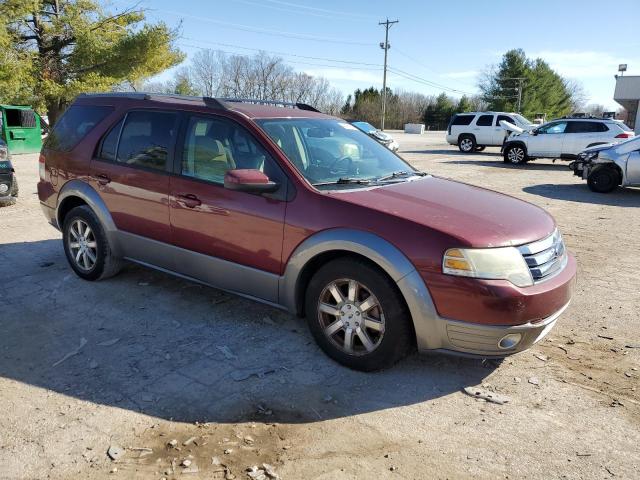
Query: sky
436,46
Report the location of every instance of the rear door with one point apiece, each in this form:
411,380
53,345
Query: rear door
483,129
582,134
131,169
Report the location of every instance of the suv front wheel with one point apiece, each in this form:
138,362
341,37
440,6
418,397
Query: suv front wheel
603,180
515,154
467,143
357,315
86,245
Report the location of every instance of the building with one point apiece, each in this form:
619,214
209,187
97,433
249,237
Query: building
627,94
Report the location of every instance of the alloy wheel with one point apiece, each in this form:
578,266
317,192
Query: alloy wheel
351,317
466,144
82,245
516,155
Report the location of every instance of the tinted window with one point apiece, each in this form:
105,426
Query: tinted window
146,139
485,121
506,119
110,143
212,146
586,127
462,120
76,122
552,128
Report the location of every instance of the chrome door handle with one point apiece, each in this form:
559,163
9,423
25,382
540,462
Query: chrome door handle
189,200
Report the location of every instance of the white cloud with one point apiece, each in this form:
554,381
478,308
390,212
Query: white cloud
464,74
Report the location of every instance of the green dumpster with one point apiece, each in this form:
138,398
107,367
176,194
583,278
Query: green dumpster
20,129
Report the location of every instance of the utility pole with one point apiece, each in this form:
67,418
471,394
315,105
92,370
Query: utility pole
520,86
385,46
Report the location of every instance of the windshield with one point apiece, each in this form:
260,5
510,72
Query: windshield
331,151
522,120
365,127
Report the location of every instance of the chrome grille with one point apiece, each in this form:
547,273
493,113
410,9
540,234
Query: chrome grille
545,257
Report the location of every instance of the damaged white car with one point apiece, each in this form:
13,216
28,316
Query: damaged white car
606,167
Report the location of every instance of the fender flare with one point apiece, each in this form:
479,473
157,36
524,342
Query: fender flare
84,191
388,257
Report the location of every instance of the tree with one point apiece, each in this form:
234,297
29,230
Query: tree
52,50
544,90
437,114
464,105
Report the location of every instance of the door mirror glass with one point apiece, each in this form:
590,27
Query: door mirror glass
249,180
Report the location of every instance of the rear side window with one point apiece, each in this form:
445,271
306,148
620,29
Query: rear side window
485,121
146,139
21,118
75,124
506,119
586,127
462,120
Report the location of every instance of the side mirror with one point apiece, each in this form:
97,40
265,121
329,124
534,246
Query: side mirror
248,180
534,131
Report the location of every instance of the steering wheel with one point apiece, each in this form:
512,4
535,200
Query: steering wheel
333,168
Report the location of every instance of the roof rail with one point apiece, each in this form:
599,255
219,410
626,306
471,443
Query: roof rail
208,101
277,103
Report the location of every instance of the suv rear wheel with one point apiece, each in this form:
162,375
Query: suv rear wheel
86,245
604,180
357,315
467,143
515,154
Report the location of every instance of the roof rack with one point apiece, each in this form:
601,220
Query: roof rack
208,101
277,103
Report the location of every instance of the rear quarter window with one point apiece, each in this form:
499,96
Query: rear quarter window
462,119
74,125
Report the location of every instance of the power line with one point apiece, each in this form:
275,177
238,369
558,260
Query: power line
324,10
289,61
287,9
424,81
264,31
350,62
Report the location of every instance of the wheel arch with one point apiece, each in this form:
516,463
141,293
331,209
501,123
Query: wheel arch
330,244
613,166
466,134
76,193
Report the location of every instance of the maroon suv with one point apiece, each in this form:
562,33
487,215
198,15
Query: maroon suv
282,204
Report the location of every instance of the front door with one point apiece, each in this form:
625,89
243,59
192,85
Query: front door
226,238
131,174
548,140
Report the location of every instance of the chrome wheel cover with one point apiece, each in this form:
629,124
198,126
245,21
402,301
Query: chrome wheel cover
516,155
351,317
82,245
466,144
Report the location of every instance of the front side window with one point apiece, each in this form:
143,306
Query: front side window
74,124
485,121
146,139
553,128
213,146
329,151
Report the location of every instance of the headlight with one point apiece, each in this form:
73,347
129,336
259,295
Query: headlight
4,153
505,263
586,156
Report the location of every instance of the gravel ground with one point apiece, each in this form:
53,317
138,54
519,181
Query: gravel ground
156,359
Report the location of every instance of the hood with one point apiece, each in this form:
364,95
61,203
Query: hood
510,127
475,216
598,148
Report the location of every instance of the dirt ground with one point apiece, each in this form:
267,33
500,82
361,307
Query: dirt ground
143,359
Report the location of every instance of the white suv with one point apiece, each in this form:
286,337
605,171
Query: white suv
563,138
473,131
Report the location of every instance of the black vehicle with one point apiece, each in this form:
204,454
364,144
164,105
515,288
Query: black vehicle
8,182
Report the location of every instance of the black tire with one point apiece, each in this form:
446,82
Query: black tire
480,148
395,341
14,188
106,264
604,180
467,143
515,154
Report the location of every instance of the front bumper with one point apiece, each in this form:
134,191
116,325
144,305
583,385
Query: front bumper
485,340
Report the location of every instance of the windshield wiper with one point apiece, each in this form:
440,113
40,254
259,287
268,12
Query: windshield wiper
398,174
345,181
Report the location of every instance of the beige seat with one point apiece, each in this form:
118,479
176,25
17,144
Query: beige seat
211,159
